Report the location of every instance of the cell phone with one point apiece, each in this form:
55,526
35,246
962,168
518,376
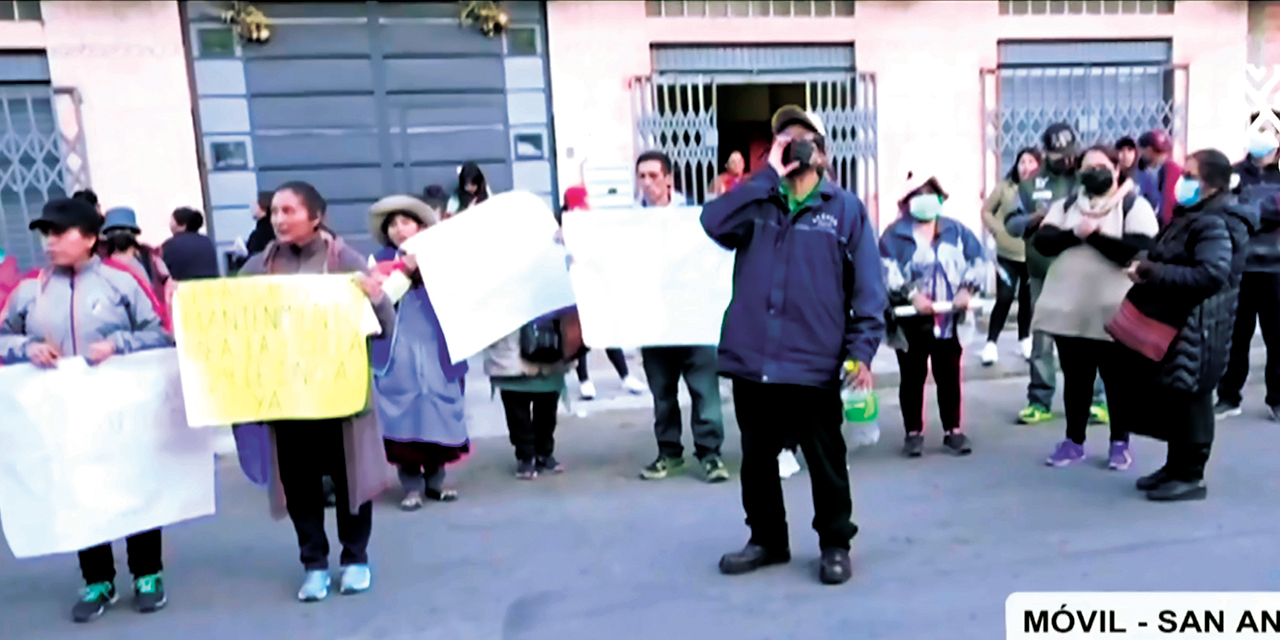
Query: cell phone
799,151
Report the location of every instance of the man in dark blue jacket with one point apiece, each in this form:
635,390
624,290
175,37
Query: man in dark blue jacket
808,297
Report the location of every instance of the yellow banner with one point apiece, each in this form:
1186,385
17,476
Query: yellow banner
271,348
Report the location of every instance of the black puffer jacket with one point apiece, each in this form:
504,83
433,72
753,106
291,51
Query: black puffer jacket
1191,280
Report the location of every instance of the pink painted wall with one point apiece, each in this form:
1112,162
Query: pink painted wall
127,61
926,57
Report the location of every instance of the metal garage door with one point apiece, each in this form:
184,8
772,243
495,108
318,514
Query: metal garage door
1106,90
368,99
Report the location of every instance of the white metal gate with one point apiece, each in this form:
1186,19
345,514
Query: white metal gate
42,157
847,108
678,116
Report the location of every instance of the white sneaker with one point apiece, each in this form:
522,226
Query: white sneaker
990,354
587,390
1025,347
787,464
633,384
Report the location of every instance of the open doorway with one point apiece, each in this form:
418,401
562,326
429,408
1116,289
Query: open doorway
742,117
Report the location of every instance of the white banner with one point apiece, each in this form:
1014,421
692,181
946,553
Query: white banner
647,277
491,269
92,454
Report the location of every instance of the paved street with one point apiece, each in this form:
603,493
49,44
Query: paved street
597,553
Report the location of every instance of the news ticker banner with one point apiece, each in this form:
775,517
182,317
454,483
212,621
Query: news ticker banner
1142,615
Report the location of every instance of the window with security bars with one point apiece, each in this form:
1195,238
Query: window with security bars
751,9
37,164
20,10
1084,7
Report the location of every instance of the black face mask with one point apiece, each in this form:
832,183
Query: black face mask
1096,181
801,151
1060,166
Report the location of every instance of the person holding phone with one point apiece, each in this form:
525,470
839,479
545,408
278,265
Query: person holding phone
808,296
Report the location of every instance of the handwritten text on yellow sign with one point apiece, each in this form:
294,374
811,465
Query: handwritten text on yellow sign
271,348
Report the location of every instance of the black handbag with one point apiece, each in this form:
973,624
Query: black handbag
541,342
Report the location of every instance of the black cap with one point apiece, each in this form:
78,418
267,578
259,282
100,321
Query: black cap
67,213
1059,138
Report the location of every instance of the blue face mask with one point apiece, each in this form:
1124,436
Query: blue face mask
926,207
1262,143
1187,191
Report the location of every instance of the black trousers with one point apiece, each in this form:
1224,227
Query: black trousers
531,421
1018,287
616,357
308,451
1141,404
98,564
1082,360
1186,459
1259,304
913,365
768,416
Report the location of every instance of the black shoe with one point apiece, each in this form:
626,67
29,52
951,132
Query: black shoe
1154,480
526,469
957,443
94,601
913,446
751,557
549,464
836,567
1178,490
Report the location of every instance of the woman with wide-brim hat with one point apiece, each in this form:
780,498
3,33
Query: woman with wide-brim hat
418,391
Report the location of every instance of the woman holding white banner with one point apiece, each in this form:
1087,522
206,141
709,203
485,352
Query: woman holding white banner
347,449
930,259
82,308
418,391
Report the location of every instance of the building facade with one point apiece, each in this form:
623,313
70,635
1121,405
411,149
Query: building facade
95,94
159,104
949,88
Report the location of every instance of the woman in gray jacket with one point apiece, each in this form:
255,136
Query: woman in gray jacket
81,307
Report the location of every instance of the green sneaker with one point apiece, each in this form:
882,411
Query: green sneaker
662,467
714,470
1035,414
1099,414
94,601
148,594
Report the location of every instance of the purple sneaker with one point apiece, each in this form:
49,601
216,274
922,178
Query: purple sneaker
1067,453
1121,458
